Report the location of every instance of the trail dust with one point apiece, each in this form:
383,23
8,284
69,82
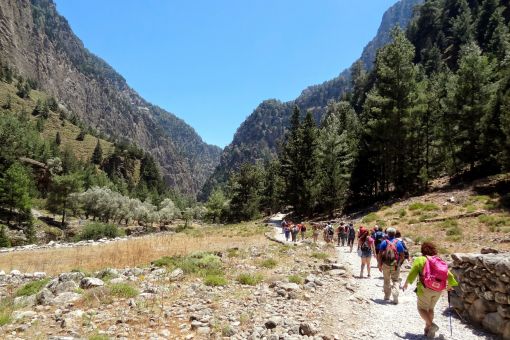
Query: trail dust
364,313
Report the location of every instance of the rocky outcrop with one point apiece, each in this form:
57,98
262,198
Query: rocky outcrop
483,295
40,45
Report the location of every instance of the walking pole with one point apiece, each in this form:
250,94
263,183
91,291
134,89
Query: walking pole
450,308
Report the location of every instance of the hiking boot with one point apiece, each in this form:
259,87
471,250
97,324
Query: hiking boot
432,331
395,298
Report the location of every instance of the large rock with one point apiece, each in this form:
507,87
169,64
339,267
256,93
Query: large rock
44,297
66,286
289,286
479,309
73,276
494,323
66,298
25,301
91,282
176,274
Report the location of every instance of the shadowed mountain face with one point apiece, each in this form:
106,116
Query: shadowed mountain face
39,44
259,135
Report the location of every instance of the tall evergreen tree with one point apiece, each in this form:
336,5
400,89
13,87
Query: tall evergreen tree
337,151
246,187
15,190
60,190
473,98
58,140
388,108
97,155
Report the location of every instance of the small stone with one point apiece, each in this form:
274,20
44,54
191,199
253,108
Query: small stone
19,315
308,329
39,275
203,330
273,322
25,301
91,282
66,298
15,272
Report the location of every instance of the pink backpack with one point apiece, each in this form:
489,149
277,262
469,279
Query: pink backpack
435,274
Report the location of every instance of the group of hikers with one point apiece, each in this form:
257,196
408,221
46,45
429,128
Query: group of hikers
391,252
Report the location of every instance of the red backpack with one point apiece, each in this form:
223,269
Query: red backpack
435,274
390,254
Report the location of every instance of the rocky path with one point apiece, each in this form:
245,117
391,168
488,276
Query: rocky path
364,314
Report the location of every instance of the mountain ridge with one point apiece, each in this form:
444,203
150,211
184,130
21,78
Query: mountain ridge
40,44
258,136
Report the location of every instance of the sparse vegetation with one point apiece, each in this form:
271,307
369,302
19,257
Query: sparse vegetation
370,218
250,279
123,290
423,206
296,279
319,256
214,280
31,288
268,263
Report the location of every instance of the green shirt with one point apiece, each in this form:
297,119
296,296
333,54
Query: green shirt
417,269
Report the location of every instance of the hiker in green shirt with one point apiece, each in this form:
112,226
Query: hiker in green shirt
427,298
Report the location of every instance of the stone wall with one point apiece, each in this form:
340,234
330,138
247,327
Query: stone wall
483,296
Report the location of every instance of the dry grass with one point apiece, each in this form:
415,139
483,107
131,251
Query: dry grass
130,253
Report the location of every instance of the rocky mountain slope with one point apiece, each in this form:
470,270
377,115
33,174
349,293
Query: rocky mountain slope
258,136
39,44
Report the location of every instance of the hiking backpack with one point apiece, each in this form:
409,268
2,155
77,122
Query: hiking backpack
352,232
365,246
406,251
435,274
330,230
390,254
379,237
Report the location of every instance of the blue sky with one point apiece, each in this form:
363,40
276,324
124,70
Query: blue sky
212,62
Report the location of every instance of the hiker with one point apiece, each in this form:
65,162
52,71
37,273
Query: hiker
398,236
302,230
365,249
284,223
390,258
434,279
286,231
351,236
294,232
341,234
330,232
379,236
316,230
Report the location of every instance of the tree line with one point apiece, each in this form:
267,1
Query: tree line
436,103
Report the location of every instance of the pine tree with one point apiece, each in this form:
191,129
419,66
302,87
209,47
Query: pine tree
15,190
359,79
388,110
58,141
246,187
460,30
337,151
60,190
273,187
308,166
473,98
4,240
487,10
497,39
97,155
81,135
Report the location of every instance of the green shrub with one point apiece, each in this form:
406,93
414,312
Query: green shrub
454,238
6,309
215,280
319,256
449,223
97,230
402,213
296,279
123,290
98,337
249,279
32,288
454,231
413,221
233,252
494,221
381,223
370,218
423,206
491,205
268,263
201,263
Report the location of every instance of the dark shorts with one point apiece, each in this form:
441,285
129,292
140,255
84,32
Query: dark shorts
350,241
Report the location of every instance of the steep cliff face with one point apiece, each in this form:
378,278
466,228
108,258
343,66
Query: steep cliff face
259,135
40,44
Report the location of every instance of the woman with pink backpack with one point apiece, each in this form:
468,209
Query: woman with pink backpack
434,279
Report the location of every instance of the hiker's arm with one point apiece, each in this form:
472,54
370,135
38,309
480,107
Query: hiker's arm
452,282
413,273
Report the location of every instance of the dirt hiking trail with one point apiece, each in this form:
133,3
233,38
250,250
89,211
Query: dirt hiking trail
364,314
